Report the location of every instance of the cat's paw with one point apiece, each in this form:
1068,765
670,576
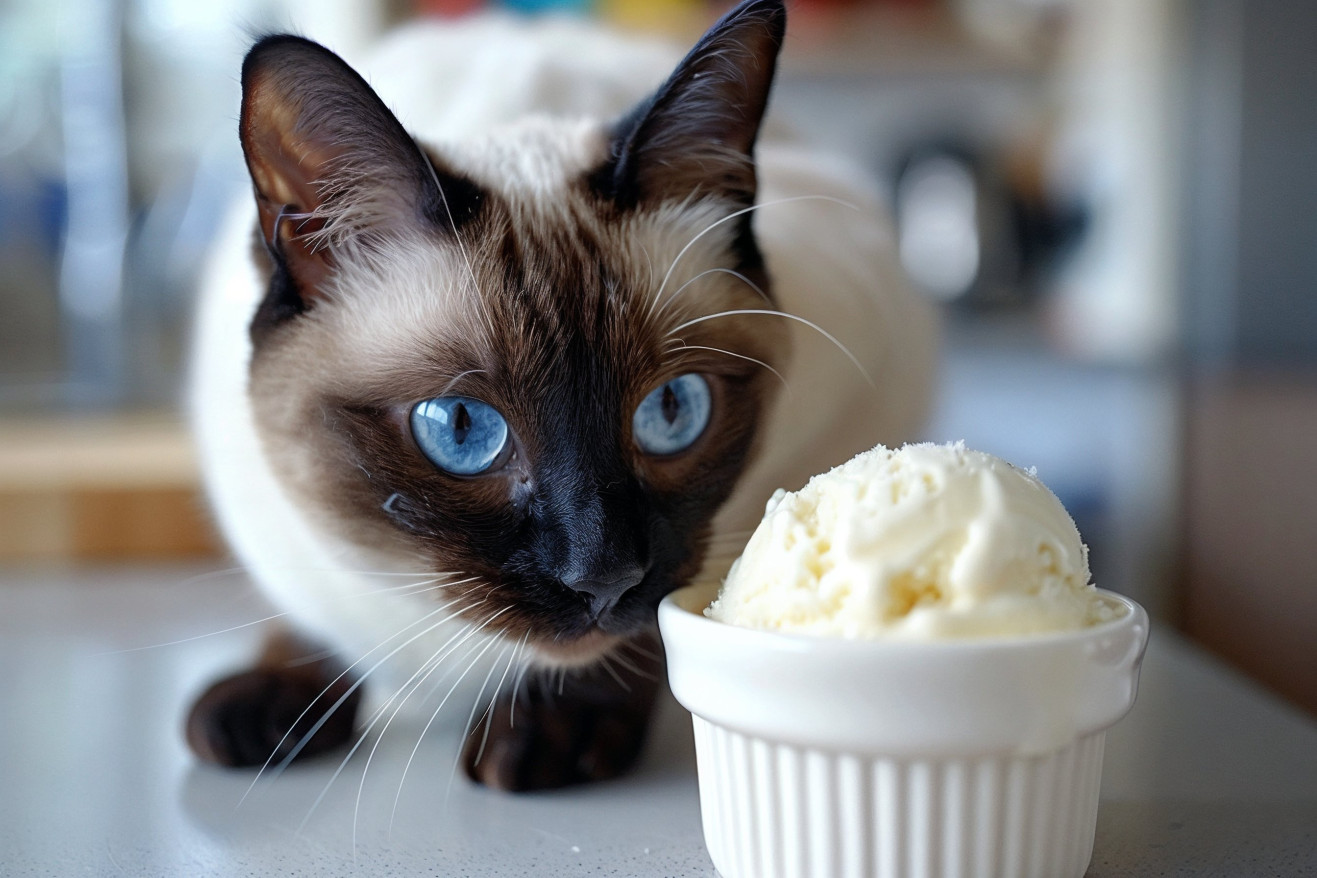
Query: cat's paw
261,715
553,745
591,729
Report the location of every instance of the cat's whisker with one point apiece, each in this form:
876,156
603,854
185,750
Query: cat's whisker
465,661
516,686
641,651
212,574
313,658
386,573
272,617
631,666
607,665
360,740
489,712
356,684
421,583
192,638
435,715
427,668
382,574
423,673
696,347
487,717
466,729
762,311
731,216
414,588
452,689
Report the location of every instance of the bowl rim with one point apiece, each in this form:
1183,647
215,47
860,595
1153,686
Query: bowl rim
1020,694
676,606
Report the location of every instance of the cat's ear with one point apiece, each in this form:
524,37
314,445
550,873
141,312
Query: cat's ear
332,167
698,131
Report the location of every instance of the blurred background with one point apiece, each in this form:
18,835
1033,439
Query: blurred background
1113,202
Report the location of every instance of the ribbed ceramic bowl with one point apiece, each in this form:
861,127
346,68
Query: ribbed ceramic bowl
832,758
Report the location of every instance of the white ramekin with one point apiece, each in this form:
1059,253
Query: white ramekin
828,757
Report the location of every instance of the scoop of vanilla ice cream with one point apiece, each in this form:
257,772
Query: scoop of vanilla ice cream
923,542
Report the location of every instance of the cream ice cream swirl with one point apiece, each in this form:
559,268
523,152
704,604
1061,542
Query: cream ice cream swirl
922,542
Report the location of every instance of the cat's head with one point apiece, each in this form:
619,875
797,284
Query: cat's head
518,363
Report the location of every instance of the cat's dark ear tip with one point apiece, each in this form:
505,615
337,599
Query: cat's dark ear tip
278,48
773,12
263,42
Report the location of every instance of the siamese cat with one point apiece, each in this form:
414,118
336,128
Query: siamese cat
469,407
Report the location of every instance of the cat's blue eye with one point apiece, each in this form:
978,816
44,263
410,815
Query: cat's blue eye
460,435
673,416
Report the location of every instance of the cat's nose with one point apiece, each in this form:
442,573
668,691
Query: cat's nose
603,592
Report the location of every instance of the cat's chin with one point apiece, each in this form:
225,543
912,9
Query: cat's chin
584,650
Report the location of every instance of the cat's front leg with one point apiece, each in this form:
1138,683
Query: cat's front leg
263,714
567,728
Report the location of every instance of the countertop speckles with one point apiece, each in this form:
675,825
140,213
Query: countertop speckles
1208,775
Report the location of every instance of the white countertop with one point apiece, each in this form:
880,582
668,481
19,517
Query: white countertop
1208,776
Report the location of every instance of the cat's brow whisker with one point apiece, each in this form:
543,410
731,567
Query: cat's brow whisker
731,216
459,376
811,324
649,264
461,246
352,688
656,309
697,347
